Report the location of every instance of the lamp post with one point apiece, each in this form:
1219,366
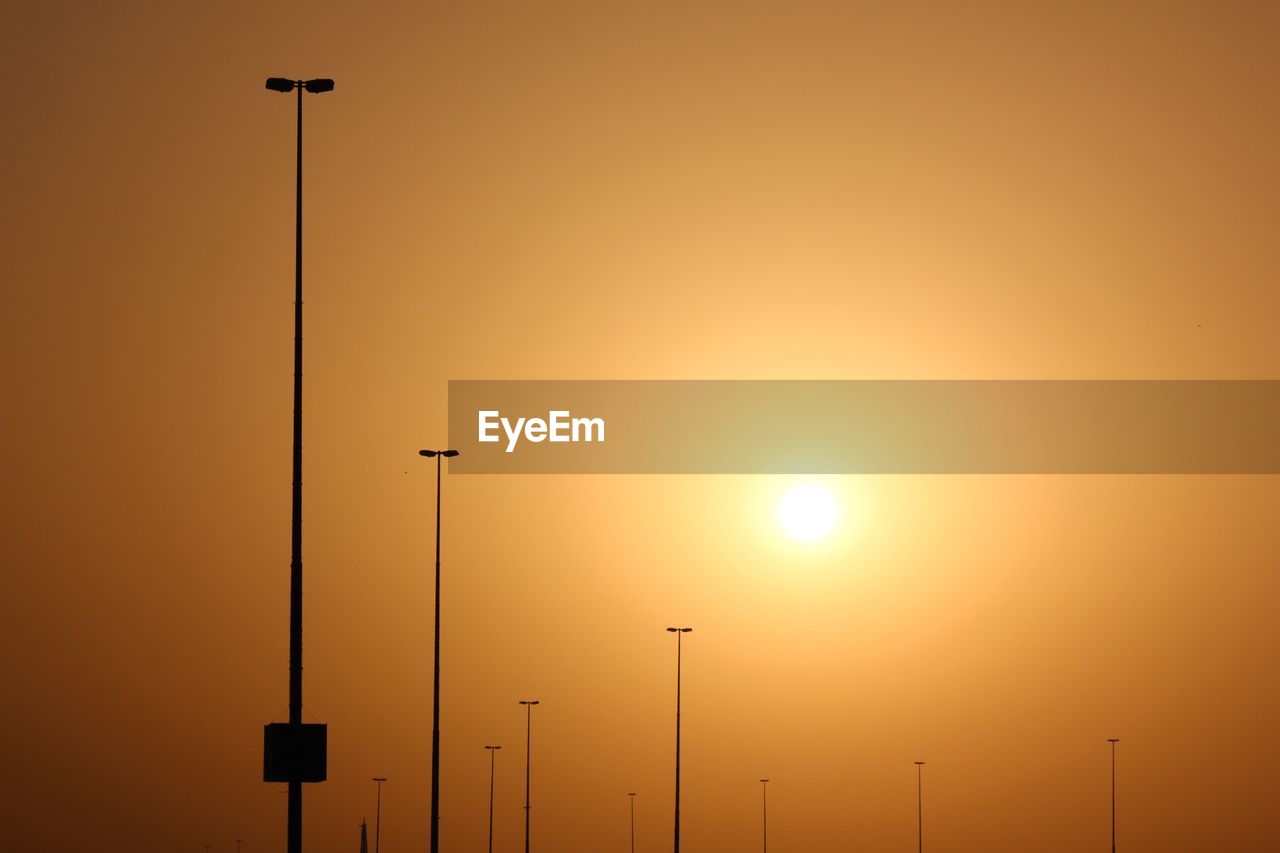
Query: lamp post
493,755
632,796
377,824
1113,741
528,755
679,632
238,842
435,689
294,842
920,803
764,803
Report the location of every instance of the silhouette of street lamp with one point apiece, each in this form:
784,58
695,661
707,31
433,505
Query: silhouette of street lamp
679,632
1113,741
764,802
920,802
528,755
632,796
493,755
435,689
294,807
377,824
238,842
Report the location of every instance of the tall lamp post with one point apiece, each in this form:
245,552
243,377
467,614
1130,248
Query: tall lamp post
1113,741
377,820
920,803
435,689
764,803
528,755
632,796
679,632
493,756
294,844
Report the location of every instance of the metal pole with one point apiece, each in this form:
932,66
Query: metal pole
493,756
295,566
764,798
435,692
528,755
920,802
377,826
1113,742
633,822
679,634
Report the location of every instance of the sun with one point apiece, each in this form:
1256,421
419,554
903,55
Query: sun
807,512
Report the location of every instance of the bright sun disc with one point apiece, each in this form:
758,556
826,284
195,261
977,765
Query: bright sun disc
807,512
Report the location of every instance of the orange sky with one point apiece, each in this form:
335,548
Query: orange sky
645,190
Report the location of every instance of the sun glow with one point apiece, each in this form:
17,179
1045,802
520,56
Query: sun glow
807,512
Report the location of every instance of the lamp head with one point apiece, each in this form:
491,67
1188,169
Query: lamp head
318,85
280,84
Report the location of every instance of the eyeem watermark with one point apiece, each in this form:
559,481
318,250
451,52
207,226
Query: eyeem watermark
865,426
559,426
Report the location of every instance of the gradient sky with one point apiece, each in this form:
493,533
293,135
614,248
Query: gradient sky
642,190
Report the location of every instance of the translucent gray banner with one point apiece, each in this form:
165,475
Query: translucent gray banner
865,427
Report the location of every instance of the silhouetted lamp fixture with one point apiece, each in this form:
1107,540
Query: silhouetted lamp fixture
315,87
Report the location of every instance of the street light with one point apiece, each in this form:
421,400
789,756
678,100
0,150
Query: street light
920,802
377,826
764,802
632,796
435,690
275,751
1113,741
528,755
679,632
493,755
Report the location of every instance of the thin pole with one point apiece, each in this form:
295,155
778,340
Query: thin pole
679,635
377,826
633,822
528,757
295,566
764,794
920,802
1113,741
435,692
493,755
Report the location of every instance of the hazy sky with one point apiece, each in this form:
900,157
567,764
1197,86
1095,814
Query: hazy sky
642,190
